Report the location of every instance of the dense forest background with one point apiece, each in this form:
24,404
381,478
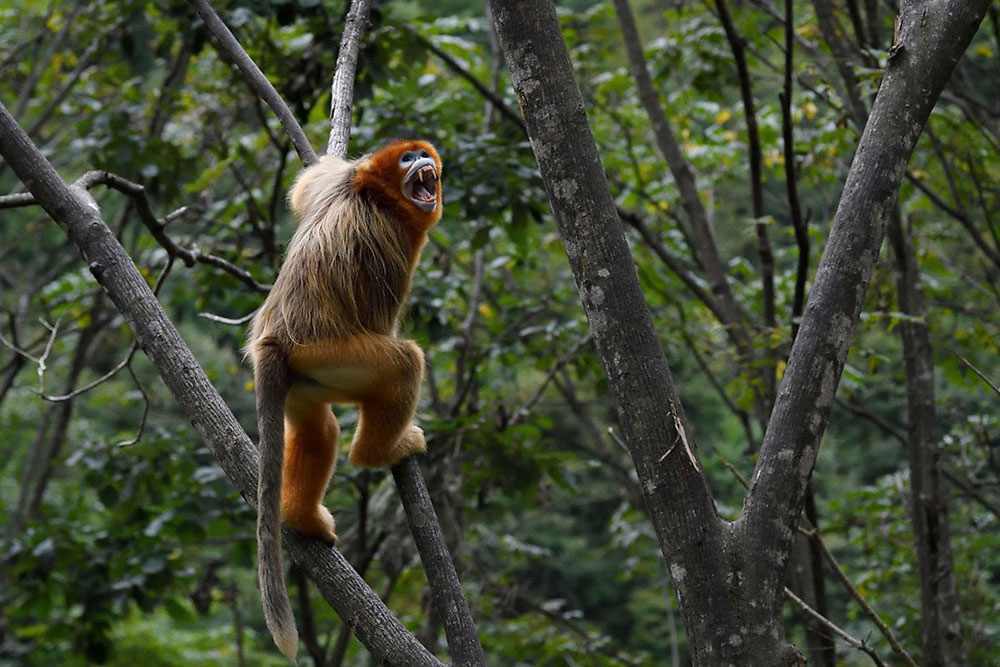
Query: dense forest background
121,541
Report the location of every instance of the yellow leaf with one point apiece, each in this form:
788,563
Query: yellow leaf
810,110
779,370
808,30
984,50
485,310
729,135
248,386
723,117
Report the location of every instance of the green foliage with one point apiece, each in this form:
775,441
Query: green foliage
144,554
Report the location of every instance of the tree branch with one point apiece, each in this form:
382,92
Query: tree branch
342,89
756,185
137,192
799,225
231,49
675,489
701,229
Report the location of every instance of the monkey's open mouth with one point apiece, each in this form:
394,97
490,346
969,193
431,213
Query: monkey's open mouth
420,184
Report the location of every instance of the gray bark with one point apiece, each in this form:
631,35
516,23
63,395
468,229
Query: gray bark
342,88
693,539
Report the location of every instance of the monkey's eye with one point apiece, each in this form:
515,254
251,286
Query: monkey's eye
407,158
424,154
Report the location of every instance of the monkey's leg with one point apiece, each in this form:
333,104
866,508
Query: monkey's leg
382,375
386,433
311,433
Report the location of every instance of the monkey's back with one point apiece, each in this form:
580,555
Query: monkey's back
347,268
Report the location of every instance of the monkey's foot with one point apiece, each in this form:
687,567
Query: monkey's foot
411,442
318,523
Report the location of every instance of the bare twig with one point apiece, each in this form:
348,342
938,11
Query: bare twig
982,376
342,88
791,176
231,49
226,320
94,383
837,630
560,363
157,228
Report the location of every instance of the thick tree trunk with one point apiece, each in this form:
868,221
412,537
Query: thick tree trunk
940,613
696,543
729,577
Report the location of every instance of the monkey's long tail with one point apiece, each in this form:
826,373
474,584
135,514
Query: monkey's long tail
271,377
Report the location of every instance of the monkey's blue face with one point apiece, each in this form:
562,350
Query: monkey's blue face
420,179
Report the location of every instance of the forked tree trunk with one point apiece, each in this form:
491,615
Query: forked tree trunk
729,577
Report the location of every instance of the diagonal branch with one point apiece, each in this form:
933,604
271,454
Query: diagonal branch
190,256
701,229
231,49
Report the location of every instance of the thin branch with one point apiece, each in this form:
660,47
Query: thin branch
673,263
342,88
814,535
94,383
892,429
446,589
231,50
967,224
982,376
837,630
736,45
145,411
972,493
498,103
463,383
799,225
190,256
226,320
560,363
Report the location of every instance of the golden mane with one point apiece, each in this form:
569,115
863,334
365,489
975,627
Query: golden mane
345,253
